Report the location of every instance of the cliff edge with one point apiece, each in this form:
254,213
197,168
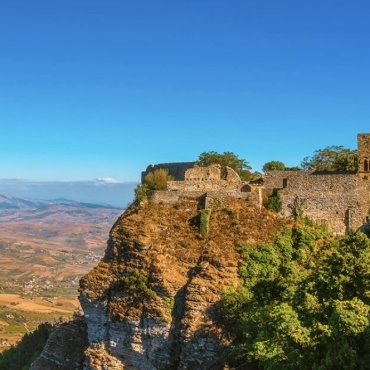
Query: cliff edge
151,303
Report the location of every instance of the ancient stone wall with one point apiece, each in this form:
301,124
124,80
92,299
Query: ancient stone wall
205,185
209,179
363,143
205,199
341,200
277,179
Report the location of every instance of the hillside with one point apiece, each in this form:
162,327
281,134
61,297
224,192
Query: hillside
151,302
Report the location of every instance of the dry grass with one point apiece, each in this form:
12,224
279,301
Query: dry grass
164,243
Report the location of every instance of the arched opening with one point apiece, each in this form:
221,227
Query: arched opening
366,165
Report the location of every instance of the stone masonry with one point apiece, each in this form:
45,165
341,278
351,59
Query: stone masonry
342,200
205,185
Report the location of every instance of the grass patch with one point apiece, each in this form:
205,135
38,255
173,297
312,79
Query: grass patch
205,215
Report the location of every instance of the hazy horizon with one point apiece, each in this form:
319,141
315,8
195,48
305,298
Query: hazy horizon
99,191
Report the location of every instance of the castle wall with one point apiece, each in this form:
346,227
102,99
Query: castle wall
363,143
206,185
341,200
275,179
209,179
206,199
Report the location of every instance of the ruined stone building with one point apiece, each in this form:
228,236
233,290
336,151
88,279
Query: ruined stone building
202,183
342,200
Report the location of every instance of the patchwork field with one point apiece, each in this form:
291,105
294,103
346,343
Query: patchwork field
43,254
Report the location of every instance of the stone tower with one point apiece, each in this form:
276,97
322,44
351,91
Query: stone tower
363,146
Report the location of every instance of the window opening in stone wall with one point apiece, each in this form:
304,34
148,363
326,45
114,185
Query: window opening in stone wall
366,165
285,183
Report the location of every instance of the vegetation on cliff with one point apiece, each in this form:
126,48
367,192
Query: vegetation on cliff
156,180
304,303
21,356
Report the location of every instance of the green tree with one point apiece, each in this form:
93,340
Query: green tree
273,166
294,168
142,193
332,158
20,356
226,159
304,304
157,180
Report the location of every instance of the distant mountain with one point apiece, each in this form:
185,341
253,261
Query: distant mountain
99,191
10,202
90,205
61,210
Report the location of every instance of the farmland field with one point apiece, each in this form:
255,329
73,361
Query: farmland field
42,259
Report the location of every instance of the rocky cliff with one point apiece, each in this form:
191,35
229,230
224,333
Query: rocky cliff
151,303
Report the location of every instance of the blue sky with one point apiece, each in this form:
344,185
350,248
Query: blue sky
100,89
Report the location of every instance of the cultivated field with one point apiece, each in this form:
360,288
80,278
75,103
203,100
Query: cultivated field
42,257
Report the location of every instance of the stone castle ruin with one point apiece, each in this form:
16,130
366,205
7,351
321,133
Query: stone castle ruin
202,183
342,200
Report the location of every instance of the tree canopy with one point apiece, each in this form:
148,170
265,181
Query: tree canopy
332,158
21,356
304,304
226,159
273,166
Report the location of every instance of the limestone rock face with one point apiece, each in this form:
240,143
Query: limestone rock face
152,302
65,348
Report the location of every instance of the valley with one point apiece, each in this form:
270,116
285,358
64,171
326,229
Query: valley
45,248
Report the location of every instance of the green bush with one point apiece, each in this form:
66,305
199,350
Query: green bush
136,284
274,203
157,180
142,193
205,215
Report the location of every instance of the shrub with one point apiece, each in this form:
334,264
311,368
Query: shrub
274,203
142,193
157,180
137,284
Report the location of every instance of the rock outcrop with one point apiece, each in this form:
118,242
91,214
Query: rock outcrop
65,348
151,303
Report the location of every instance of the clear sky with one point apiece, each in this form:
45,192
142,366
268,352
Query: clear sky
100,89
